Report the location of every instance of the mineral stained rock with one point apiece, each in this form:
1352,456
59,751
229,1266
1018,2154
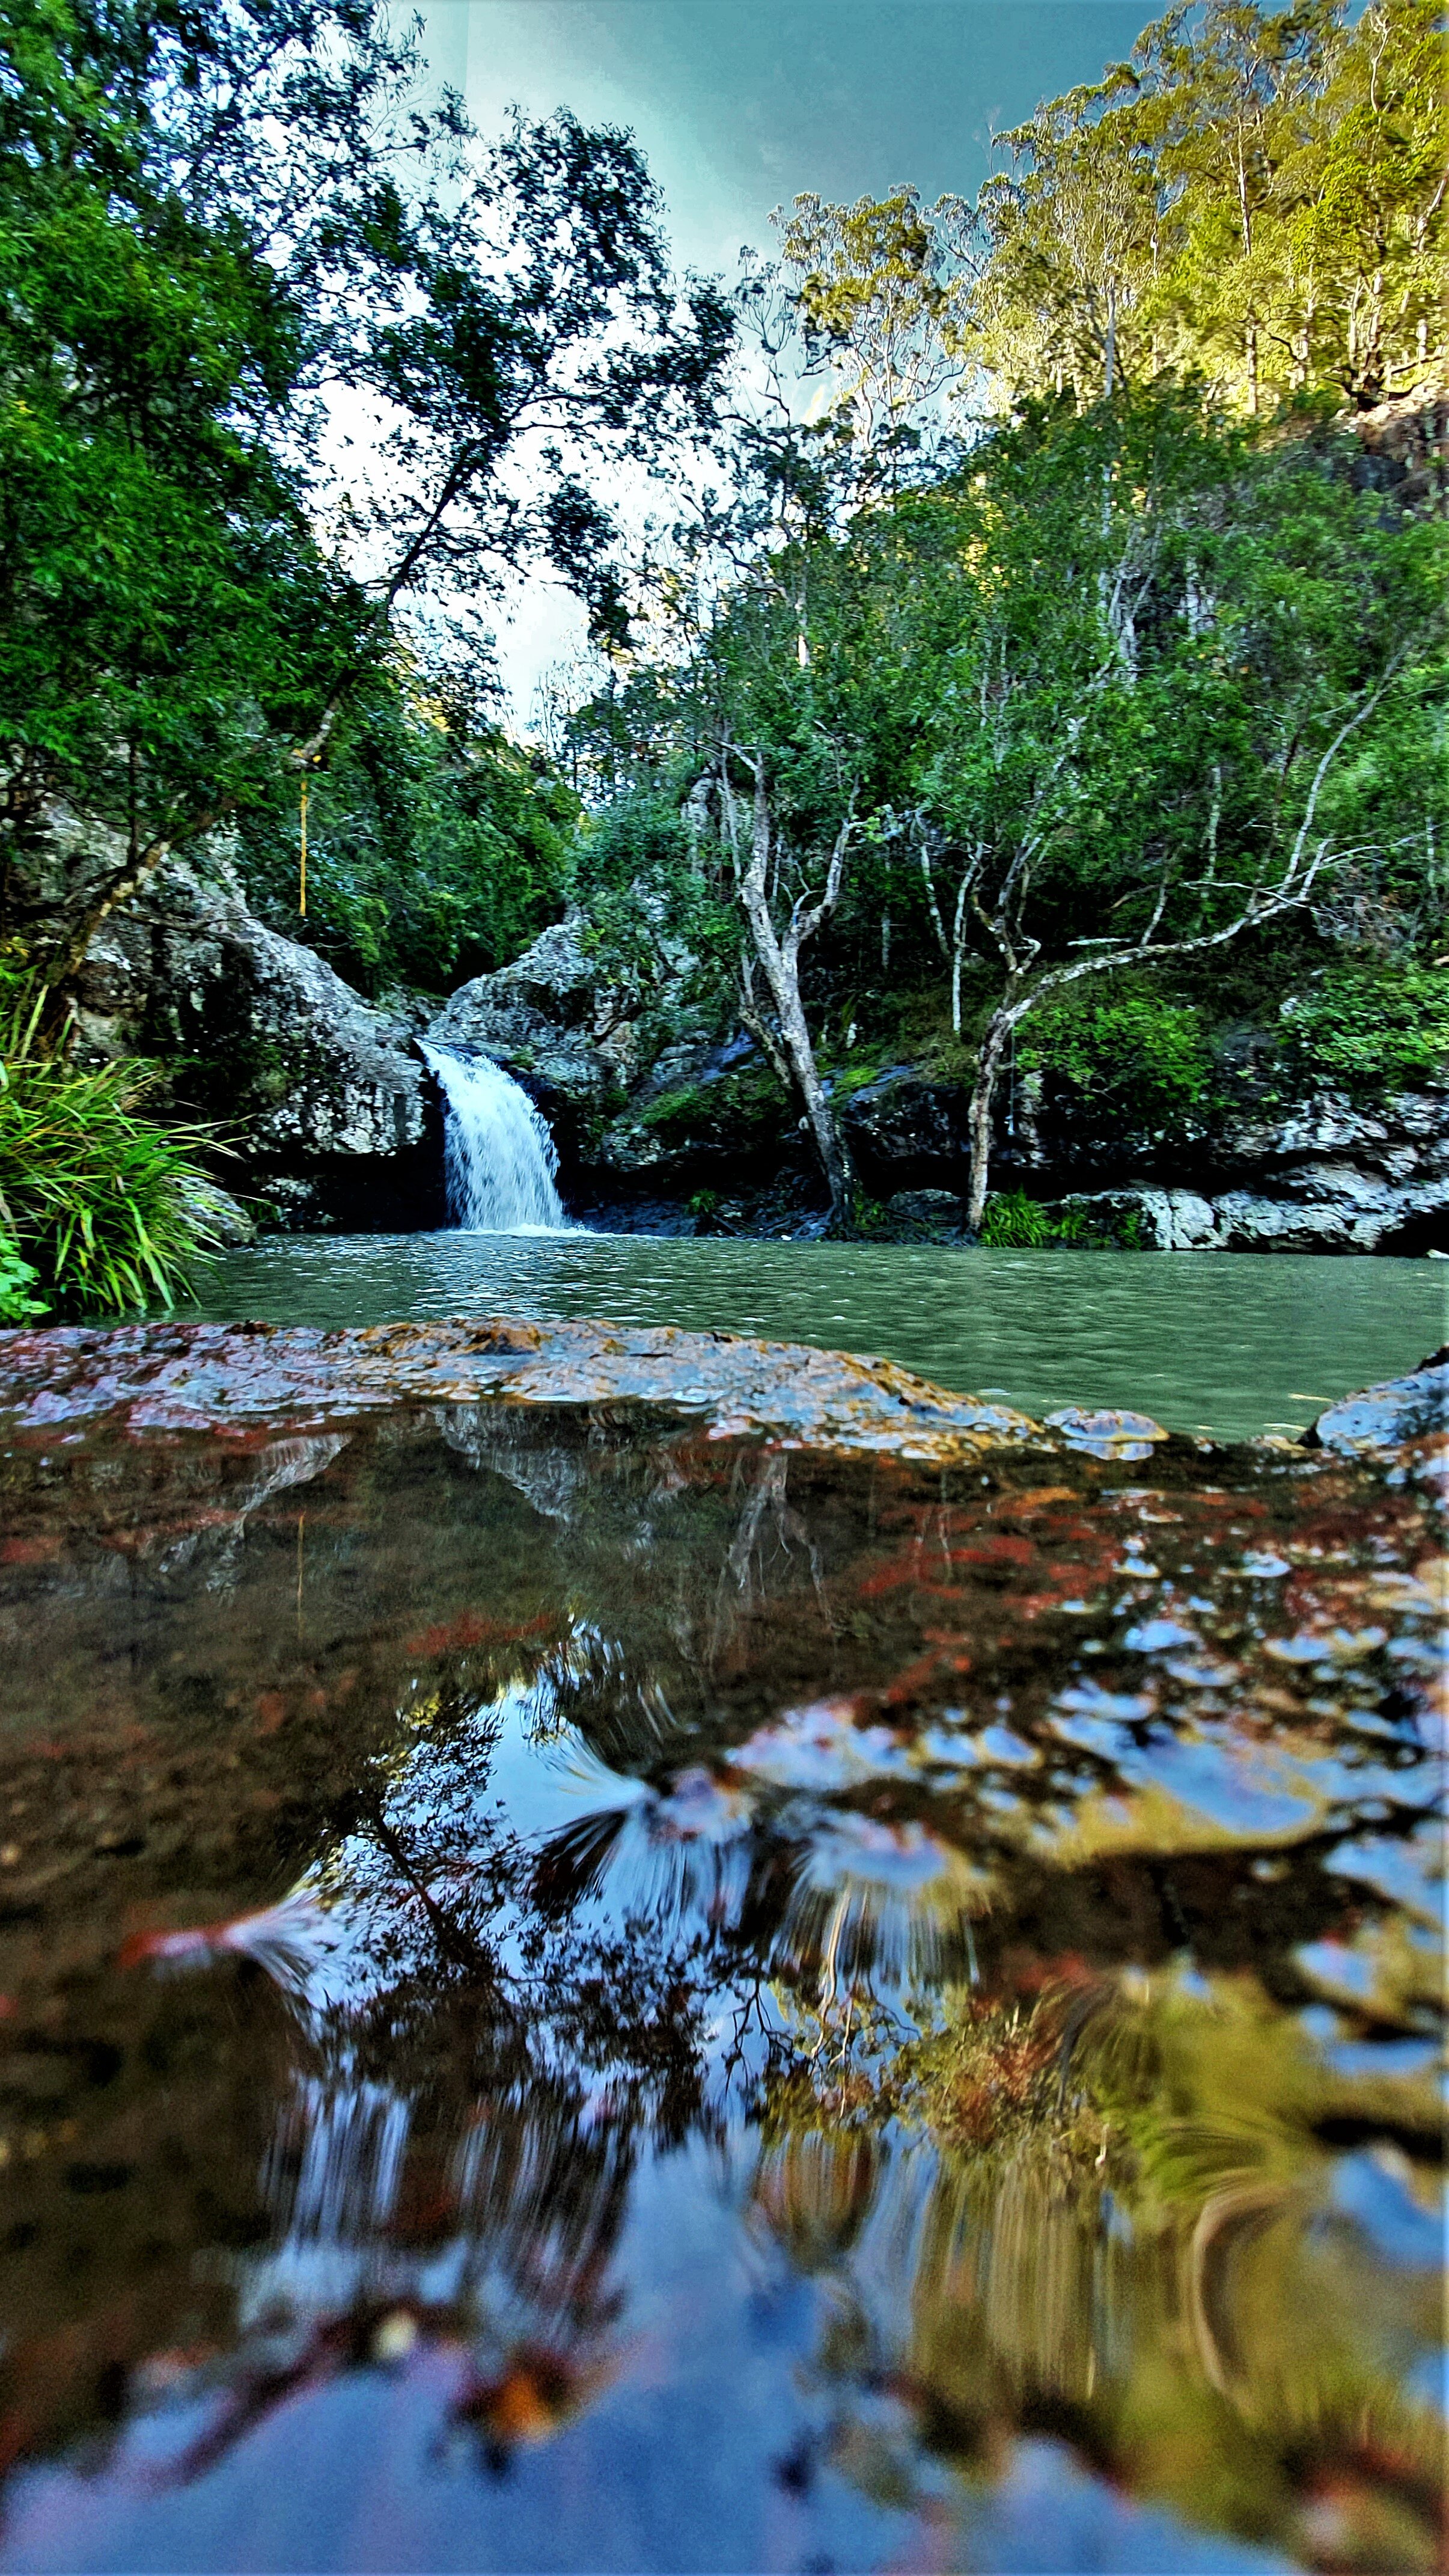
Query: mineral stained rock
229,1378
406,1815
179,1376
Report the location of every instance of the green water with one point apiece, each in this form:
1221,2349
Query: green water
1232,1345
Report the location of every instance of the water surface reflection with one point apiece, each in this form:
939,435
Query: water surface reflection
581,1996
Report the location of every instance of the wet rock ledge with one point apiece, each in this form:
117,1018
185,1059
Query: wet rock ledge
232,1378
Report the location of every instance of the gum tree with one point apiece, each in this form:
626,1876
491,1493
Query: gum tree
1187,679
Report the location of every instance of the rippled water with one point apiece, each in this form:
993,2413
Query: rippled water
1227,1343
582,1997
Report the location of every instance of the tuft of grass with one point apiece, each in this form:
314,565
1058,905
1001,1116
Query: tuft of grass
1012,1222
101,1206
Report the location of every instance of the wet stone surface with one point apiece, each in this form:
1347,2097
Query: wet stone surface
576,1992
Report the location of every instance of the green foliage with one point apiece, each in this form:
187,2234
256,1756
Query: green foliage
1374,1025
102,1207
1013,1222
206,216
162,600
18,1277
1135,1057
1253,199
857,1075
877,285
657,916
436,848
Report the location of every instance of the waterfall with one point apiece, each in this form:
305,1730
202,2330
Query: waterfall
498,1153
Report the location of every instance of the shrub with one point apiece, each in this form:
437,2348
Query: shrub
1135,1057
1373,1025
103,1206
1012,1222
17,1278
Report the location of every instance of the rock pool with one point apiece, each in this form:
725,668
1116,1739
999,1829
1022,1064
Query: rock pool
599,1970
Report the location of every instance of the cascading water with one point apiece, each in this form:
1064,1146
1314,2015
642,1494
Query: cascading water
498,1154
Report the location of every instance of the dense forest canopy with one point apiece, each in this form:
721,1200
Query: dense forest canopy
1030,619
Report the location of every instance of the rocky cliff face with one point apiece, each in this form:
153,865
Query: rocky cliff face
547,1020
1328,1174
339,1124
1331,1176
328,1103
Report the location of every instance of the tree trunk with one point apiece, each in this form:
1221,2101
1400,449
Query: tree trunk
780,963
978,1114
66,962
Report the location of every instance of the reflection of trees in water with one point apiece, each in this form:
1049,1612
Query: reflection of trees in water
830,1786
1141,2254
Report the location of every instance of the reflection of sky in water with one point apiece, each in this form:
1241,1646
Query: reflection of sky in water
788,1834
1375,2196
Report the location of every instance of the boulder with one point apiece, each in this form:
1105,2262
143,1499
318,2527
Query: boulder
906,1133
1324,1208
325,1100
710,1114
924,1215
1385,1421
546,1020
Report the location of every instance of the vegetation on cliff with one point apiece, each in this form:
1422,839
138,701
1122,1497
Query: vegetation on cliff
1113,685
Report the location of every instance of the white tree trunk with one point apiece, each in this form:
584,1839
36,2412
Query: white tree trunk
780,965
982,1102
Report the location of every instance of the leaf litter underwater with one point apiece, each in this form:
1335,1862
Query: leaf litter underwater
578,1995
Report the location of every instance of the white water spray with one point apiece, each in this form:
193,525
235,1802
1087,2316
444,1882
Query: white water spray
498,1154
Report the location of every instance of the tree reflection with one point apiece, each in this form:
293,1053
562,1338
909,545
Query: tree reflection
1008,1868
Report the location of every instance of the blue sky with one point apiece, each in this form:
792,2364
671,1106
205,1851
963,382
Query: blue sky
740,104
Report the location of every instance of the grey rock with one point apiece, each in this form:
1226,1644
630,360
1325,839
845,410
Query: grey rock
314,1087
629,1150
902,1130
232,1225
1336,1208
540,1018
692,1122
1383,1419
925,1211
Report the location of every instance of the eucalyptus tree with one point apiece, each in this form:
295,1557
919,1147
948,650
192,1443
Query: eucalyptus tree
877,288
1186,680
236,247
1255,197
